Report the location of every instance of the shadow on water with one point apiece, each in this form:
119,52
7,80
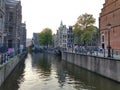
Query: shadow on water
43,62
15,78
69,74
84,79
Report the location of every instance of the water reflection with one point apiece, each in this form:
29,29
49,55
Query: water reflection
16,77
83,79
48,72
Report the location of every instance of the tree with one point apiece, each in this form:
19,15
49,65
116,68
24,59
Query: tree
90,35
83,28
45,37
77,33
85,20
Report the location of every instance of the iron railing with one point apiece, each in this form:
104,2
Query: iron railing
95,51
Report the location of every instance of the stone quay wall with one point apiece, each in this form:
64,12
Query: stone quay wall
8,67
109,68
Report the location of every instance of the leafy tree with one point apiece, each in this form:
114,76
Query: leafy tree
84,29
77,33
90,35
45,37
85,20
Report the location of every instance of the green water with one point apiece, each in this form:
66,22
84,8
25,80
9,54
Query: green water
48,72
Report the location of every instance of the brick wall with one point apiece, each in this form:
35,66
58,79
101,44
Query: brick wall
110,13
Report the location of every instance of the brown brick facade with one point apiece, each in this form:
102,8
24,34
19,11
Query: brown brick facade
110,14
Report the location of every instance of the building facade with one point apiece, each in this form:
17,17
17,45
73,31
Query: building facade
110,15
23,35
55,40
62,36
2,20
13,23
35,40
70,38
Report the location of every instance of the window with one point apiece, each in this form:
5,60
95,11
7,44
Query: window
10,16
103,39
10,30
1,22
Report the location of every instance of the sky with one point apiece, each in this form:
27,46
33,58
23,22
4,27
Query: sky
40,14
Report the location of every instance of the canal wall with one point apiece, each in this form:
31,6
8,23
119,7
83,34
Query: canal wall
7,68
106,67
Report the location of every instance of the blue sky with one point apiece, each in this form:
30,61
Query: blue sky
40,14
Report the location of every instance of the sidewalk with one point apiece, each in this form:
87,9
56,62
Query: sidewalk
99,54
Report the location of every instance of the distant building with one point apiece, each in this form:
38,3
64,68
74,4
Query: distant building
28,42
62,36
110,14
70,38
35,40
55,40
23,35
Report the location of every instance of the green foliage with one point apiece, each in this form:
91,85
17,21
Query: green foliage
85,20
45,37
84,31
90,34
77,33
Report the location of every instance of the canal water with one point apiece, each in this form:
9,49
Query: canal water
48,72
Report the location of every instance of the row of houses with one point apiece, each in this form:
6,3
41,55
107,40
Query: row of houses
64,37
12,30
109,27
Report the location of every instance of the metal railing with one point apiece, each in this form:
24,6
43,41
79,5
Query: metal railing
95,51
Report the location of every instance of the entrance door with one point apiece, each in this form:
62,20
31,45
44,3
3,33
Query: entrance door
103,46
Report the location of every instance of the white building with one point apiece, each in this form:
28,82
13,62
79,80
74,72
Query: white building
62,36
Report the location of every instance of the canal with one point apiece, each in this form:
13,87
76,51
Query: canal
48,72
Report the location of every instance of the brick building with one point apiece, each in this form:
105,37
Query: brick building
110,14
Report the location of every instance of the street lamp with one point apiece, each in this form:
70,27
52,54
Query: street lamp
109,47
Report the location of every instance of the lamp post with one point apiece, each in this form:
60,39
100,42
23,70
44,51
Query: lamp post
109,46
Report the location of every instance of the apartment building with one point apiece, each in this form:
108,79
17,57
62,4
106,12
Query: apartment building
13,23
